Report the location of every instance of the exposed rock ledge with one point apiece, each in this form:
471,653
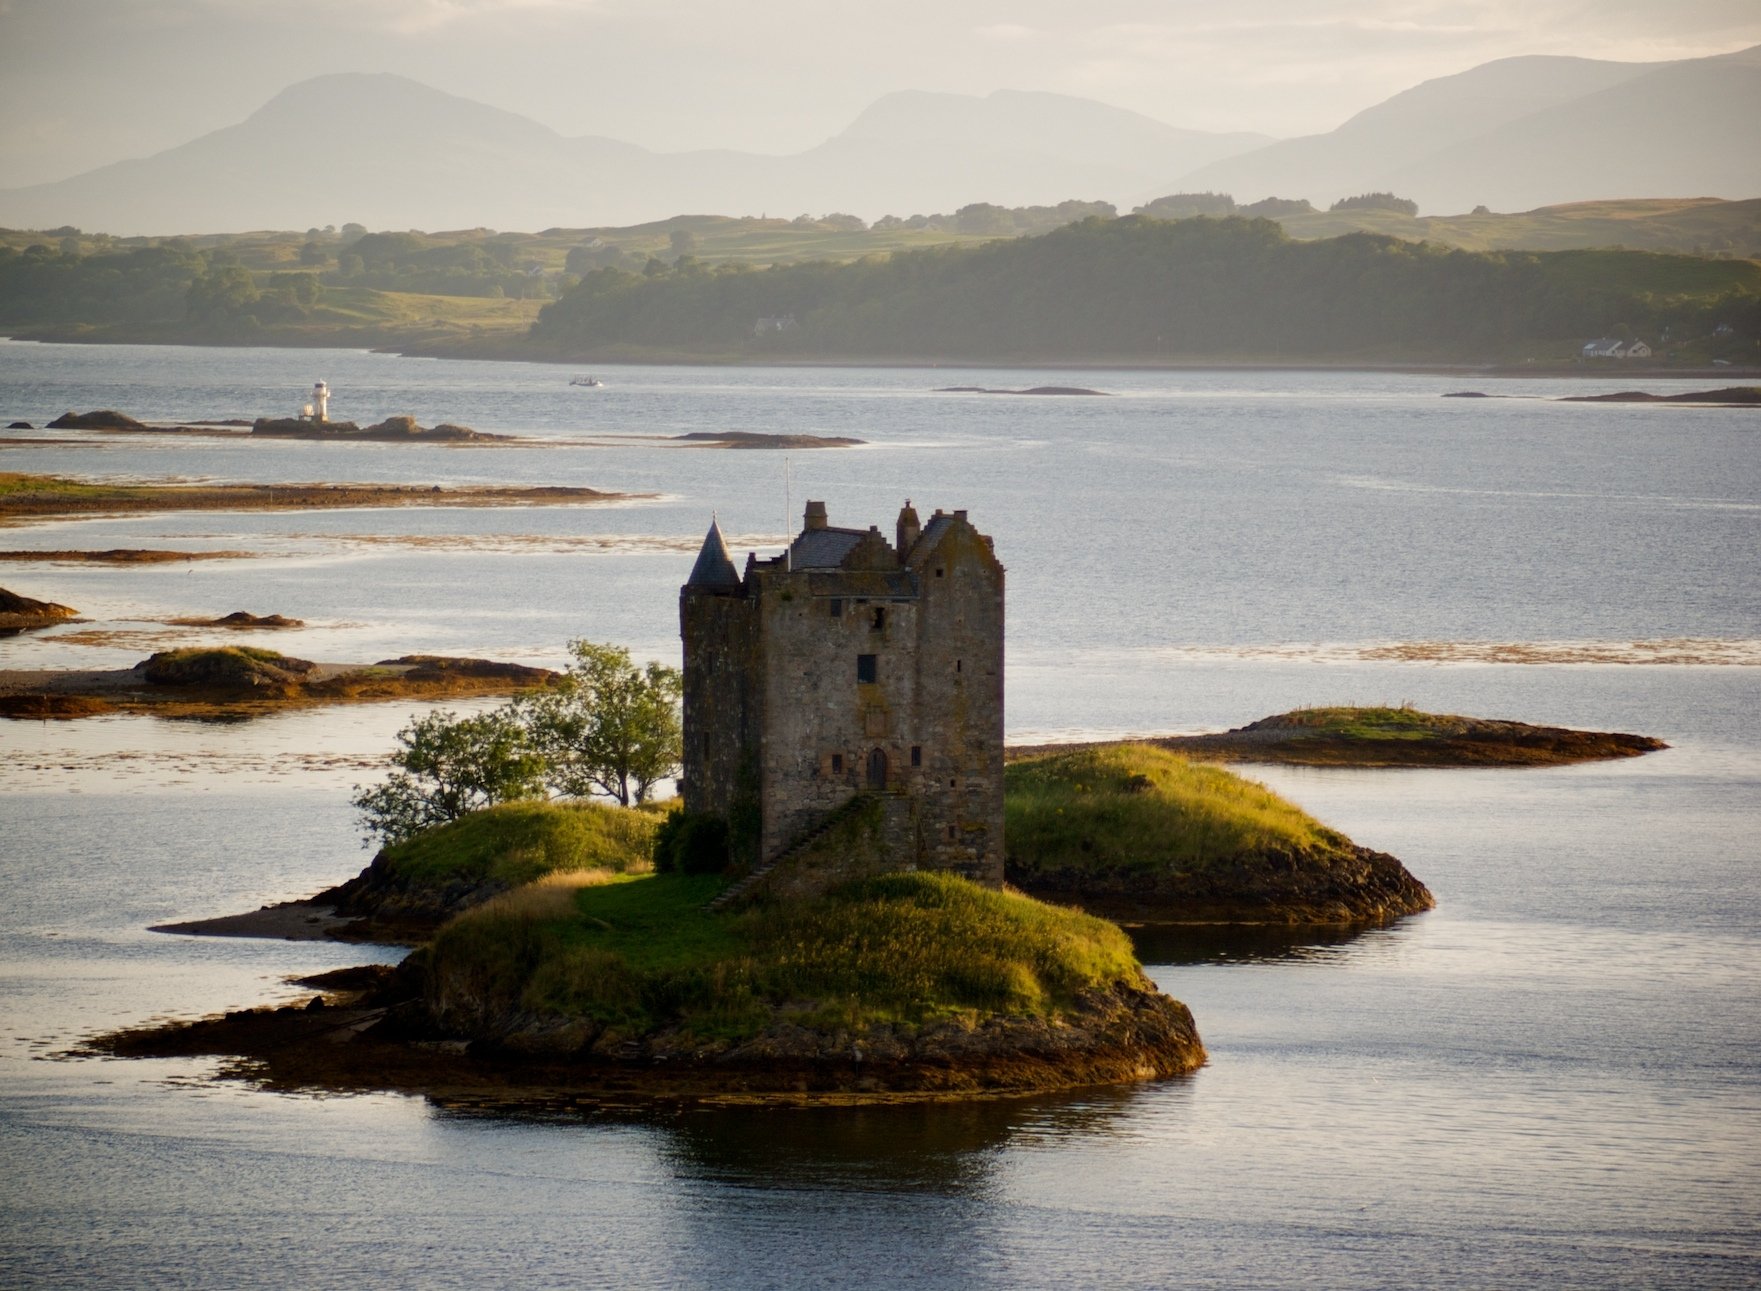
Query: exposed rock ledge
20,613
382,1028
1353,885
393,430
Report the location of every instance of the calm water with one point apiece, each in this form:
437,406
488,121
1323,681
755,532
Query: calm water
1554,1078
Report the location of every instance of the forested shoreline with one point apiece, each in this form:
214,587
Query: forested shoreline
1125,291
1137,289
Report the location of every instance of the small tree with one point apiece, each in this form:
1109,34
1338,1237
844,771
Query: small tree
608,726
450,766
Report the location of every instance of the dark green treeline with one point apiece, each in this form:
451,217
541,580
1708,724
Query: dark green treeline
1141,289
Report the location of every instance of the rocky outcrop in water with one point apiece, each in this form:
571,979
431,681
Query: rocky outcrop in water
19,613
1351,885
393,430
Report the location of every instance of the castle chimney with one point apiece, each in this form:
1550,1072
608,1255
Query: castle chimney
909,529
815,518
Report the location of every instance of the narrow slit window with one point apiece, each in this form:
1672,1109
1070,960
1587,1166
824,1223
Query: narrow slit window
879,622
837,764
957,663
867,667
917,755
837,607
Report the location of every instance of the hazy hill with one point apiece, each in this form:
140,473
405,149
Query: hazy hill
391,153
1694,225
1521,133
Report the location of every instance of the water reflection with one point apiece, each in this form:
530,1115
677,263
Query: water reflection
1173,945
943,1148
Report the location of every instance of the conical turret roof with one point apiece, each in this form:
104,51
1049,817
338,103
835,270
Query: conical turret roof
714,570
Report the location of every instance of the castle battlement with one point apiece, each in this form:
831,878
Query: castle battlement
852,663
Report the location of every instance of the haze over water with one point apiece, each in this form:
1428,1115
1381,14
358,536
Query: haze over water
1551,1079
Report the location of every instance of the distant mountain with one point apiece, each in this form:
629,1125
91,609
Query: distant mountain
391,153
1522,133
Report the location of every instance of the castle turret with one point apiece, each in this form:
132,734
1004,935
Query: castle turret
714,570
909,529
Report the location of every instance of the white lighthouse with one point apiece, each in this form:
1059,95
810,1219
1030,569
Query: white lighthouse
320,402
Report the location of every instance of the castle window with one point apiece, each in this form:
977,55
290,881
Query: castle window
951,833
940,572
837,607
917,755
867,667
954,784
956,665
880,619
837,764
877,769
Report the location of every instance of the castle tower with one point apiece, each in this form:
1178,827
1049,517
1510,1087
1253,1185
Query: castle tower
851,665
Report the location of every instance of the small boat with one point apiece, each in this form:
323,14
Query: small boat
592,383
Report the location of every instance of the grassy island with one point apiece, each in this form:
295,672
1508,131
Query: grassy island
1405,736
1141,834
572,965
42,496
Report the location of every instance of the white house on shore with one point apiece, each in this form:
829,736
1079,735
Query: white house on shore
1609,347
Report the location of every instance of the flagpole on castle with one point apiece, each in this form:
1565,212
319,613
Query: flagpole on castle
788,511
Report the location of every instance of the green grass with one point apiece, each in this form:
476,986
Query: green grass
907,948
517,842
1401,723
1132,806
257,654
33,487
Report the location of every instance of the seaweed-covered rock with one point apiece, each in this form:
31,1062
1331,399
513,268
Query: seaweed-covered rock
238,668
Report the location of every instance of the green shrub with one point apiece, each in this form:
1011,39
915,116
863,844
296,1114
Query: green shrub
691,843
517,842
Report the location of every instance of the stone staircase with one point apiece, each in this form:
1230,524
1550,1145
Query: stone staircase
732,894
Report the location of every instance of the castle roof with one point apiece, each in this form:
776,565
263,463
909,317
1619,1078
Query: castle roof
714,569
823,548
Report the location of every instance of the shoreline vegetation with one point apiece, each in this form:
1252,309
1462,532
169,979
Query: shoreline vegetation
24,496
1133,291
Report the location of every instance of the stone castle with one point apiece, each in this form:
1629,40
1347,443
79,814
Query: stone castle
851,667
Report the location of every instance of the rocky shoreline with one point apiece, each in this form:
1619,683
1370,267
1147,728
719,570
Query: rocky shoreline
382,1028
44,496
1353,887
224,682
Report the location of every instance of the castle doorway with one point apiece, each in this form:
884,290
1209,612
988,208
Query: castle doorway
877,769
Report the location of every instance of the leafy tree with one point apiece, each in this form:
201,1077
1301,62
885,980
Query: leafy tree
683,241
609,726
448,767
1183,206
1270,208
224,292
1376,202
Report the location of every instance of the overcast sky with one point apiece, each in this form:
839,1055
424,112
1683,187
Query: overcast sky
84,82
